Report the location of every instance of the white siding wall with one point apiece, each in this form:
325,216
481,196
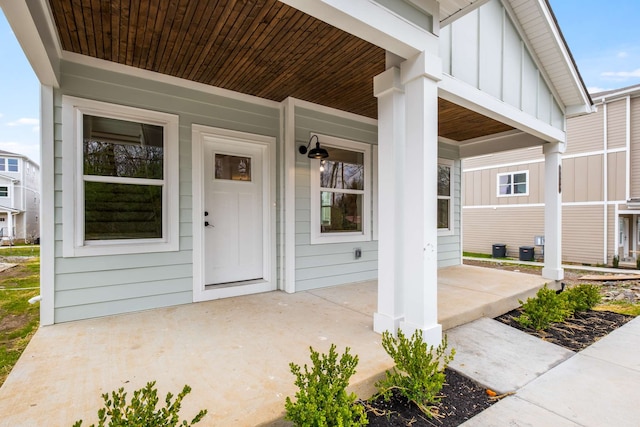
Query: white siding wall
104,285
485,50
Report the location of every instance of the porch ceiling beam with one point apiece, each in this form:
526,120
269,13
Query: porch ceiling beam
467,96
496,143
371,22
32,26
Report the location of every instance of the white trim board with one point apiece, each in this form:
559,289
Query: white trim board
47,207
200,290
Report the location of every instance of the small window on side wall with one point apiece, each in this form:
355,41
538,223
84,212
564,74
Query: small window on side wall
513,184
445,199
125,190
341,193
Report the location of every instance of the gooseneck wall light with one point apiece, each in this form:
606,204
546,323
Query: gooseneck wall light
314,153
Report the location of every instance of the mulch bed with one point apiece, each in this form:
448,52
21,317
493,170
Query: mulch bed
576,333
462,399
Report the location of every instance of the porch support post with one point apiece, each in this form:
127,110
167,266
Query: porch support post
420,75
553,211
10,224
390,93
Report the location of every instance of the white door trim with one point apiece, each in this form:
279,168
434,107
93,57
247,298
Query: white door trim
198,133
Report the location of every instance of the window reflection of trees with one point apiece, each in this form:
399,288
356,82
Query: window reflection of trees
122,149
342,211
112,157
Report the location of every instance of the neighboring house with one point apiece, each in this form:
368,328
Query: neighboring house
171,143
503,201
19,199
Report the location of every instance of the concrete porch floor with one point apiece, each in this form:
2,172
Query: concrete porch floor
234,353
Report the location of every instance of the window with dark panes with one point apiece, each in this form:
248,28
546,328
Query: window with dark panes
342,191
123,165
513,183
444,196
4,191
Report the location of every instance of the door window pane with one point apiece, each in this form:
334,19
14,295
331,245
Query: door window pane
122,211
233,168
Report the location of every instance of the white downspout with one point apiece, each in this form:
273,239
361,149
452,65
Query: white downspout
605,189
628,149
634,233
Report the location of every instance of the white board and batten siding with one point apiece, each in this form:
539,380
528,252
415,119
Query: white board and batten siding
485,50
330,264
105,285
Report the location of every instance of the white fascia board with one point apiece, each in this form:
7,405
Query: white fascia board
632,92
572,70
467,96
41,47
502,142
372,22
579,110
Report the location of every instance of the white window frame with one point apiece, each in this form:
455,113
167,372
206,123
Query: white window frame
451,165
73,180
317,237
526,193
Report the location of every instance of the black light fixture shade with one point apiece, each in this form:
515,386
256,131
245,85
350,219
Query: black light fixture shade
314,153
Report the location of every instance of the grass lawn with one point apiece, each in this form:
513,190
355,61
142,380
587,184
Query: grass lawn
18,319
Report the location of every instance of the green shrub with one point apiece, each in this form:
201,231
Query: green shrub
547,307
582,297
419,371
616,261
141,412
322,399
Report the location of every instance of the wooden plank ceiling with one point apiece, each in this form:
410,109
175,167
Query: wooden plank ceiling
257,47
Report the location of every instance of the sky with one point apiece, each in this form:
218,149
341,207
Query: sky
602,36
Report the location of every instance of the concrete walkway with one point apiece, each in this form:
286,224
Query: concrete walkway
597,387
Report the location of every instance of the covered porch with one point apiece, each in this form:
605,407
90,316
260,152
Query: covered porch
234,352
240,66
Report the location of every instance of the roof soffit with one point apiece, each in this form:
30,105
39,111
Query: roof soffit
543,37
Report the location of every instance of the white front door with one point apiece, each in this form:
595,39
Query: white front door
234,186
624,238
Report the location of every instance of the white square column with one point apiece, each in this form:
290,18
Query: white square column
391,139
553,210
420,75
